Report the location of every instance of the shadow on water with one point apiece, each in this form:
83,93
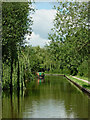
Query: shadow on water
50,97
10,104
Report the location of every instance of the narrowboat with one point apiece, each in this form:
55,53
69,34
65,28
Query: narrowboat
40,74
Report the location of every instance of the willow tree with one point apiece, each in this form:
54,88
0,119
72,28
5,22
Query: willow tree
15,24
69,36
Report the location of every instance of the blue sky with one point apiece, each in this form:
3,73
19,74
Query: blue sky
42,23
44,5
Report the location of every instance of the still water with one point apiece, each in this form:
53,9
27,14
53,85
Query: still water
53,97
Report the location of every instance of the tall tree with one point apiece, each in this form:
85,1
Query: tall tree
69,37
15,24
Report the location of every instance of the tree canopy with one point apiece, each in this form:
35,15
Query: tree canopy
69,37
16,22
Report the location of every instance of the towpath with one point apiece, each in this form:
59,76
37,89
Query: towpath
81,79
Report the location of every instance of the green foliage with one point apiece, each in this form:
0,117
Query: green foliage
66,54
69,38
83,69
16,22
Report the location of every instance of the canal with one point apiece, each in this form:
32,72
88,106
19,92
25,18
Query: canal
53,97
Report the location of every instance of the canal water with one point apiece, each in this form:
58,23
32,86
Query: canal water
53,97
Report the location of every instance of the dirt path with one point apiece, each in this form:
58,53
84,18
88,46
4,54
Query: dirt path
81,79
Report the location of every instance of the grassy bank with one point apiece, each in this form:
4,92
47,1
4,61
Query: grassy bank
82,77
80,82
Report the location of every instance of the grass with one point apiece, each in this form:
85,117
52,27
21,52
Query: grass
80,82
82,77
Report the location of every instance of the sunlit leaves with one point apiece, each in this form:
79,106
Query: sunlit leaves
71,31
15,25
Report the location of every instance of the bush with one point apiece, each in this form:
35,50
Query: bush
83,69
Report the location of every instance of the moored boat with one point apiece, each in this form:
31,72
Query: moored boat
40,74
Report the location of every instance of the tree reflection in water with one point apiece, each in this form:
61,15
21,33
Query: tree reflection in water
50,97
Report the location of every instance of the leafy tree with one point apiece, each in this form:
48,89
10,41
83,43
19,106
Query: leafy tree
69,37
15,24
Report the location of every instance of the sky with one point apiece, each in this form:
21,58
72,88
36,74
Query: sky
42,23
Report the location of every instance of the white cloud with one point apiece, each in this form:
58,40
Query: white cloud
36,40
43,22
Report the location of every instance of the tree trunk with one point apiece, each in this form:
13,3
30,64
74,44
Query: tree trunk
18,76
24,80
11,75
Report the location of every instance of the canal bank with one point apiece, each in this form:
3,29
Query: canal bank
82,84
85,90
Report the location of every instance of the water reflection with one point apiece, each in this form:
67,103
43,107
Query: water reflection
40,81
52,97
